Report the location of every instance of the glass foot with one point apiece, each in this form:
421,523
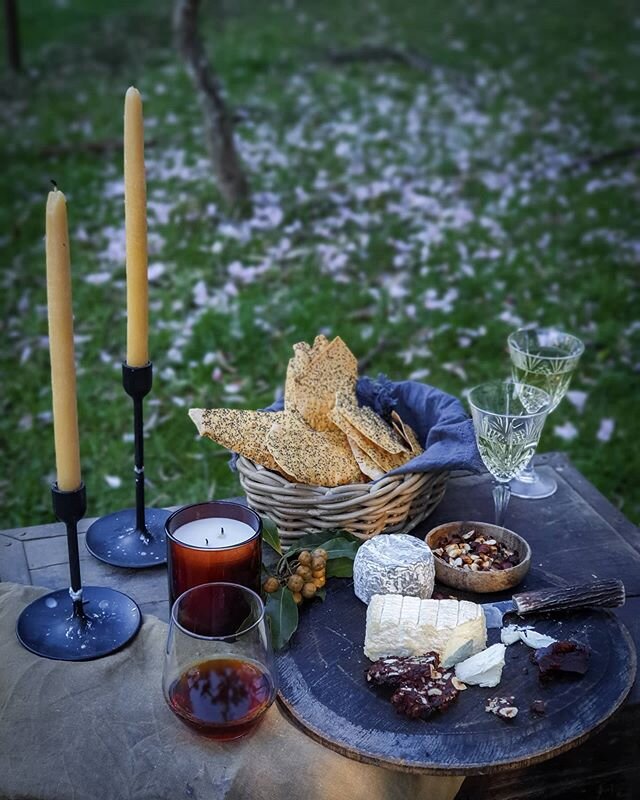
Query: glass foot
115,540
533,486
52,628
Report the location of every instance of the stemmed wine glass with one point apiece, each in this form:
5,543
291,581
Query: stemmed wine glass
546,358
507,418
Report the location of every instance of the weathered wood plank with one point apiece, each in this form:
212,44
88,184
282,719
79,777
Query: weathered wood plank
49,530
570,542
600,504
143,586
52,550
13,561
607,766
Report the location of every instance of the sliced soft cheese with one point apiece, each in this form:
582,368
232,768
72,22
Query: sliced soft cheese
483,669
405,626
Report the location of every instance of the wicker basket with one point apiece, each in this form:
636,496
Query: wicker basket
391,504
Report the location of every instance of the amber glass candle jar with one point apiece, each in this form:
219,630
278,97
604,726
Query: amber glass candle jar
213,541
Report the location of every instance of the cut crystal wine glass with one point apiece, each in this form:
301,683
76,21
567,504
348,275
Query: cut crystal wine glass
507,418
546,358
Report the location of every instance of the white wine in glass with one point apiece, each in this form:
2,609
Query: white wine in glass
545,358
507,419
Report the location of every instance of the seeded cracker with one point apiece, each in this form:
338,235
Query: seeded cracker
384,461
242,431
321,458
302,355
311,392
365,462
369,424
407,433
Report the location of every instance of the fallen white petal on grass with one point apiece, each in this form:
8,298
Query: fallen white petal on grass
566,431
605,431
98,278
577,398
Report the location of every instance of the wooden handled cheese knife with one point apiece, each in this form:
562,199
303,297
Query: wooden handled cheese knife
602,594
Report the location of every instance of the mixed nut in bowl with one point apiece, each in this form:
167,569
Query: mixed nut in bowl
478,557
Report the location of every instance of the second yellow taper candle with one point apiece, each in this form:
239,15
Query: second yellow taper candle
135,212
63,369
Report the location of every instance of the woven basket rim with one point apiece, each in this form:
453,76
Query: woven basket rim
249,467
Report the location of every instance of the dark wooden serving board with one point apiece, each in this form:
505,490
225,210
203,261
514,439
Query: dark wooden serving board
323,690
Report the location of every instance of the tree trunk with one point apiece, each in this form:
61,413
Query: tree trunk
227,166
12,30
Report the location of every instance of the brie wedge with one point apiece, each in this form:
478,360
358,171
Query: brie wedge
483,669
407,626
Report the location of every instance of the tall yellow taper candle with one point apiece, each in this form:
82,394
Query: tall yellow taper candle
135,212
63,369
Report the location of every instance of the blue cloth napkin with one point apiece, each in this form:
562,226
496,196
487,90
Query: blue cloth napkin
441,424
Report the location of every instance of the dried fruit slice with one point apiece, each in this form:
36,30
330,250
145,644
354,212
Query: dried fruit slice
244,432
320,458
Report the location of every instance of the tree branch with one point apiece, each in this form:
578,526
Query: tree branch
232,181
595,160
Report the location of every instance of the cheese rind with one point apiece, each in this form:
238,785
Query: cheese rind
406,626
393,563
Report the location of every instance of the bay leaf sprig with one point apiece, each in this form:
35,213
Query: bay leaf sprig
337,550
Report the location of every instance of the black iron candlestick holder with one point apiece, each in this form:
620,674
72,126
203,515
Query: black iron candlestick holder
135,537
79,623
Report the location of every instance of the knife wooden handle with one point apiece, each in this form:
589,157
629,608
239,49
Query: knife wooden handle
602,594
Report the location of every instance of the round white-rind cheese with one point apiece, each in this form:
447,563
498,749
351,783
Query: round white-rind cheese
393,563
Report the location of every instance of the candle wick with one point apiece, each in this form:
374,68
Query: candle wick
221,531
54,184
206,541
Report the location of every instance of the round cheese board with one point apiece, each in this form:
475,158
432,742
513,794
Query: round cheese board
324,691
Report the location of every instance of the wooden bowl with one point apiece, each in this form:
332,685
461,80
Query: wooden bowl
492,581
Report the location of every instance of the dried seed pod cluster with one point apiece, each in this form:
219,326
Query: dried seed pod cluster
475,552
301,573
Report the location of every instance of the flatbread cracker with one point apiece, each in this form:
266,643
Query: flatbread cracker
320,458
367,465
244,432
408,434
383,460
312,392
369,424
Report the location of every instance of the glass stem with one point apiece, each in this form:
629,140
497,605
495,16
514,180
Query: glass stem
501,496
528,474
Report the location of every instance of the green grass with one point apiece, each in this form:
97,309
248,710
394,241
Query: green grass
435,211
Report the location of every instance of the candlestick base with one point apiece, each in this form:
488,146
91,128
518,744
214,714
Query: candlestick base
51,627
116,539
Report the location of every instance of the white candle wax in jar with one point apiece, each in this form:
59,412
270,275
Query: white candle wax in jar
214,533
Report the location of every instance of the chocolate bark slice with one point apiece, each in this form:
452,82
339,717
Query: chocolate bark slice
421,699
421,686
395,670
562,658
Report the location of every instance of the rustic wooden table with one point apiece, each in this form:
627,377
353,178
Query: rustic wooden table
576,536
